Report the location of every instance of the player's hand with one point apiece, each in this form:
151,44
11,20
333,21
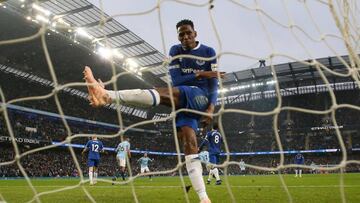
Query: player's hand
210,74
206,120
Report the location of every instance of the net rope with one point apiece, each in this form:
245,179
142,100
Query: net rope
344,14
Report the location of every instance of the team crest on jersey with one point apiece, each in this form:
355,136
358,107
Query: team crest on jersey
200,62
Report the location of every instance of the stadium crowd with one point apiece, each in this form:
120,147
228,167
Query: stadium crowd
59,163
244,133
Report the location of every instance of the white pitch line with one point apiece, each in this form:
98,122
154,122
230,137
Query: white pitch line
174,186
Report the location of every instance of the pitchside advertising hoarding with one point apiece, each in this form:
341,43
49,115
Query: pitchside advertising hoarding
222,154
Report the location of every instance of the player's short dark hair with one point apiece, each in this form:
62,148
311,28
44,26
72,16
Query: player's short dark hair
185,22
215,125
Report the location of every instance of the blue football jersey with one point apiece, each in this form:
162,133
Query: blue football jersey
299,159
95,147
213,140
183,70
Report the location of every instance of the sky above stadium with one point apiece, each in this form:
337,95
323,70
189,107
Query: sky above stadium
240,29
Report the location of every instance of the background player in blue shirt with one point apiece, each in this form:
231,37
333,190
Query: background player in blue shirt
195,87
299,159
94,146
213,141
144,164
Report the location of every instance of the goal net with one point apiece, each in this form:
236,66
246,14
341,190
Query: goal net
259,35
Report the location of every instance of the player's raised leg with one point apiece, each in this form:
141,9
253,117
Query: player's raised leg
99,96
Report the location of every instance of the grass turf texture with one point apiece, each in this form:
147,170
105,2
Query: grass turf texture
310,188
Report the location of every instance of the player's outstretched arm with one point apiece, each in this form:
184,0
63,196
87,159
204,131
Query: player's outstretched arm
83,151
97,93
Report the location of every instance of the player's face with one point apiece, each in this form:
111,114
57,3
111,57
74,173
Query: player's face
187,35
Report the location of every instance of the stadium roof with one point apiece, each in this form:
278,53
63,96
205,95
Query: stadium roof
85,21
84,15
293,74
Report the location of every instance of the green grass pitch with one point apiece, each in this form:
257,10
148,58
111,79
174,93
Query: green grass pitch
310,188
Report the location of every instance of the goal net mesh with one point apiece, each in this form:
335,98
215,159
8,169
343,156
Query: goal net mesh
345,17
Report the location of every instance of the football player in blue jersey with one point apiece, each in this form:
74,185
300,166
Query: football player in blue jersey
299,159
194,86
94,146
213,141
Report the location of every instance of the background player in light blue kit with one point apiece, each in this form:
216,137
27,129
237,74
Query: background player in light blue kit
204,155
299,159
213,141
205,158
94,146
144,164
195,87
122,153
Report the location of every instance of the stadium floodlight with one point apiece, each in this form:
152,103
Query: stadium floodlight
117,54
257,84
131,63
104,52
223,90
41,9
42,19
132,66
82,32
100,44
270,82
239,87
60,20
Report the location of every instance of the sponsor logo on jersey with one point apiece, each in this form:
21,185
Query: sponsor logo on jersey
200,62
190,70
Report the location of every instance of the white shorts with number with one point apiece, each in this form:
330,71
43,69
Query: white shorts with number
144,169
122,161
